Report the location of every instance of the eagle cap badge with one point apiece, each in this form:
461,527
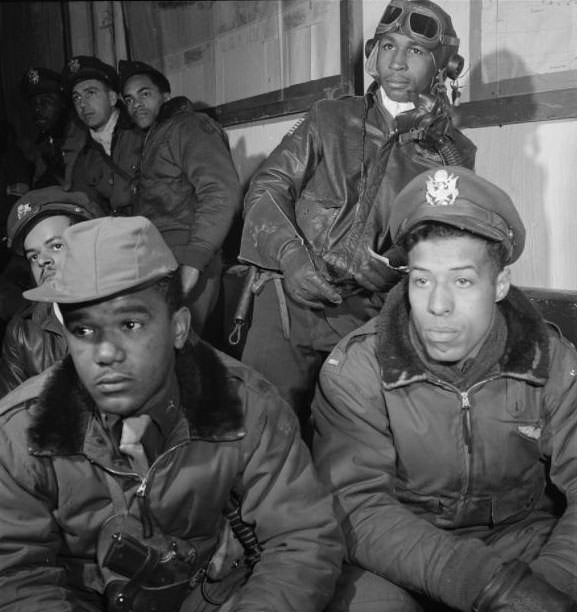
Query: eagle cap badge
33,76
442,189
74,65
23,209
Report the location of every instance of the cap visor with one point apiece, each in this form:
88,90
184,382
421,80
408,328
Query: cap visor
49,293
460,221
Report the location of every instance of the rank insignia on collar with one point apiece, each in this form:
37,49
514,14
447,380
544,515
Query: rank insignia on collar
442,189
33,76
23,209
74,65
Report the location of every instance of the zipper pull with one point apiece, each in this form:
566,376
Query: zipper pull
467,432
145,519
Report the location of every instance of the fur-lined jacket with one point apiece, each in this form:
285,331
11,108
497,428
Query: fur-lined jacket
62,478
437,483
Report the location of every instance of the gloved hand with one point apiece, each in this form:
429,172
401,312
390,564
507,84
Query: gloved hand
517,589
302,281
372,273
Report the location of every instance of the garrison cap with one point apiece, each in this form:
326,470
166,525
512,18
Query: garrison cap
39,81
128,69
84,67
458,197
46,202
106,257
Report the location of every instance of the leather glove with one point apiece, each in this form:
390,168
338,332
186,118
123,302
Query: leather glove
372,273
517,589
302,281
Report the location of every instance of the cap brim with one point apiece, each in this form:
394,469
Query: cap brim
461,221
48,292
53,291
88,75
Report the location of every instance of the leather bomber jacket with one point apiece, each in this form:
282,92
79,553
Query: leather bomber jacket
33,341
319,184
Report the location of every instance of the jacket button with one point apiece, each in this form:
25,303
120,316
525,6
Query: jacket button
111,180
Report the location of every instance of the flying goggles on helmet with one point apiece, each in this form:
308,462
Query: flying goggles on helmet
418,22
428,25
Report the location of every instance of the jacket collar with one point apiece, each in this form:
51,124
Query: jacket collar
210,402
45,317
526,353
173,106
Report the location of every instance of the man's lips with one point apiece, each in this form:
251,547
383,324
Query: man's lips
441,334
397,82
110,383
46,274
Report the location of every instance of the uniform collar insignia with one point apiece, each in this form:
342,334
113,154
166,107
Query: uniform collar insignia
442,189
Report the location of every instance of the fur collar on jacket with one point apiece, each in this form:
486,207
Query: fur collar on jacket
210,402
526,354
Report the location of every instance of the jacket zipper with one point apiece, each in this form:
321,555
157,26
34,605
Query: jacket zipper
467,426
142,489
466,411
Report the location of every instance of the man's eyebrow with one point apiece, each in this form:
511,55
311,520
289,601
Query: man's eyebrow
48,241
139,90
137,309
453,269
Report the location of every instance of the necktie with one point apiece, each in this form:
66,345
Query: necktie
133,429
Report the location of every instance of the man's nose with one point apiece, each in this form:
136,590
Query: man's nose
109,350
45,259
440,300
399,60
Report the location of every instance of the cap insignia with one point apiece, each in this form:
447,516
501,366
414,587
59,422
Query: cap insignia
23,209
442,189
33,76
74,65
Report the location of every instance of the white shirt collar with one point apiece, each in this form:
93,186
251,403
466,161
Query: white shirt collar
104,135
393,107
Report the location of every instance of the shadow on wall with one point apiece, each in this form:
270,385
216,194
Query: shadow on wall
510,155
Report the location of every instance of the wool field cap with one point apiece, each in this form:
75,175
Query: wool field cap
105,257
46,202
127,69
461,198
85,67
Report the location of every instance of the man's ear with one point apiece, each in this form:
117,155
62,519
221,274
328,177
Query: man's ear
180,326
112,97
165,96
502,284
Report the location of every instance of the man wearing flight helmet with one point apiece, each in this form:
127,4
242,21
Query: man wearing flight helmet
320,203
